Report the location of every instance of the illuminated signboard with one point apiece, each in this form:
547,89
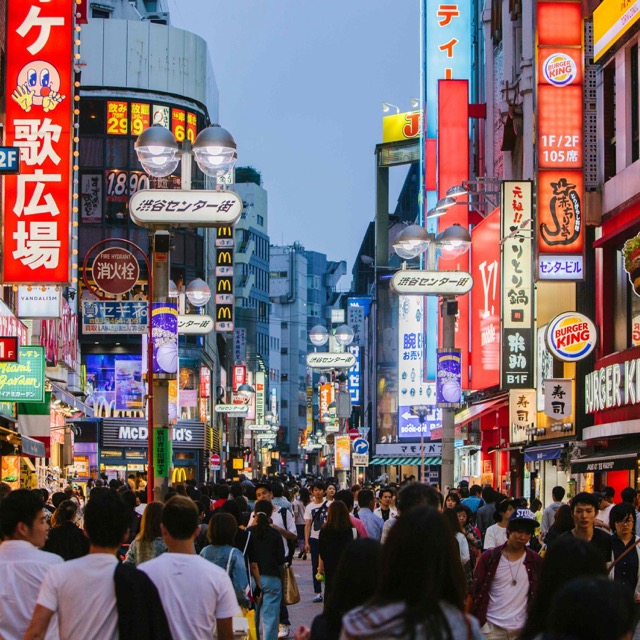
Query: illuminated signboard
224,279
117,118
401,126
178,124
611,20
140,117
39,103
560,140
355,377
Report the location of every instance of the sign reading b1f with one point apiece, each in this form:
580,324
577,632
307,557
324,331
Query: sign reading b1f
177,208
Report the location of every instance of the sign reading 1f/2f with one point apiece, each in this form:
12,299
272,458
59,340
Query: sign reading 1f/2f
560,148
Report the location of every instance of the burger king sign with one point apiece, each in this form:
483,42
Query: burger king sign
571,336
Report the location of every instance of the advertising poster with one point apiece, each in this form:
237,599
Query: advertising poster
91,198
109,376
11,471
140,117
165,337
343,453
129,388
448,389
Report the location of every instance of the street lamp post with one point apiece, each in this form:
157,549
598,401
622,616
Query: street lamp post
159,154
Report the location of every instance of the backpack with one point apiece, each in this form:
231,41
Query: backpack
291,544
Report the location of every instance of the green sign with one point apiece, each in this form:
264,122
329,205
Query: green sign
161,452
23,381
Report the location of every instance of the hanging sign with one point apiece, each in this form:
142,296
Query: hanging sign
161,452
558,398
115,271
522,414
571,336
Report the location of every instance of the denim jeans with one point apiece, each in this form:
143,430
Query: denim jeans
314,547
268,609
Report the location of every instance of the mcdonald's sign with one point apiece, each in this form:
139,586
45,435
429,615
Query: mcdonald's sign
224,279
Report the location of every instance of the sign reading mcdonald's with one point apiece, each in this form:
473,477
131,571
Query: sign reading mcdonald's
224,279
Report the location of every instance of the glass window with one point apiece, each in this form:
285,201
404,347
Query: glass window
260,220
117,153
91,152
92,117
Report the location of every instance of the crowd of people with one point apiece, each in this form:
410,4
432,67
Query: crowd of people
401,561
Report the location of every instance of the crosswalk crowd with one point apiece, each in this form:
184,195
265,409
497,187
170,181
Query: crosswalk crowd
395,561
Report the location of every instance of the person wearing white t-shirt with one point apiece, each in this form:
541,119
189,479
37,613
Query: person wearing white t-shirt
197,595
505,580
315,514
606,504
23,521
83,591
496,534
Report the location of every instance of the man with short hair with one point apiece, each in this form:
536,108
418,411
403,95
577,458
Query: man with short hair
506,579
630,496
197,595
371,521
23,520
484,515
605,505
118,601
474,501
277,489
385,510
584,508
411,495
344,495
549,514
315,514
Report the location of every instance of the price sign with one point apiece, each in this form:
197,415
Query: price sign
117,118
178,124
140,117
192,127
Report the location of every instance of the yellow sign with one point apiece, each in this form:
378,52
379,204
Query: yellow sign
401,126
611,20
238,463
343,453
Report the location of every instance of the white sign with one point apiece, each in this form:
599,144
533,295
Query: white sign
544,364
330,360
560,267
39,302
260,396
431,283
142,433
178,208
232,408
558,398
332,428
194,324
360,459
571,336
259,427
430,449
522,413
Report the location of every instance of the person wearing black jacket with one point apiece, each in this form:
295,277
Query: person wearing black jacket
65,538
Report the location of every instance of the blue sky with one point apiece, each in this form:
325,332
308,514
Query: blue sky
301,84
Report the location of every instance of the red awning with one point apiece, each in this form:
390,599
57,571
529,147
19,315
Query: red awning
478,410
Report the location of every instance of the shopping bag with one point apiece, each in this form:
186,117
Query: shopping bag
290,592
250,616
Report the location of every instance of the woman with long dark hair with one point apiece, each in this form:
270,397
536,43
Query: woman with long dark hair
421,589
65,537
148,544
300,503
270,557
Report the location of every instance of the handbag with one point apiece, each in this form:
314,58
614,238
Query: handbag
290,591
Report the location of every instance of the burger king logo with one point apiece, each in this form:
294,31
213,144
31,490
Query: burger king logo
571,336
559,69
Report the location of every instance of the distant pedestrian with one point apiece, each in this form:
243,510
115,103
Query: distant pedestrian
345,496
474,501
562,523
149,543
371,521
65,538
386,510
452,500
411,495
484,515
557,493
300,503
496,535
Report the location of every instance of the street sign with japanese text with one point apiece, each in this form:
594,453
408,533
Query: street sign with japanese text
522,414
431,283
330,360
232,408
558,398
109,317
178,208
194,324
23,381
115,271
39,102
162,452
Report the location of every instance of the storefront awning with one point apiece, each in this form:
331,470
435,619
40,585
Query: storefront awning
550,452
606,460
72,401
478,410
406,462
31,447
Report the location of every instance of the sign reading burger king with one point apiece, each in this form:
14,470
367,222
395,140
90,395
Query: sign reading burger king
571,336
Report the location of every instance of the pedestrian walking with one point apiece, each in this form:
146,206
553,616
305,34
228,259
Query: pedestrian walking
197,596
345,496
548,515
386,509
506,579
148,544
94,597
270,557
23,522
300,503
371,521
314,517
65,537
421,590
471,533
584,509
496,534
452,500
336,533
451,517
474,501
562,523
484,515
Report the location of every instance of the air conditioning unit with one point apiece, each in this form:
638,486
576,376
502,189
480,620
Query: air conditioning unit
159,17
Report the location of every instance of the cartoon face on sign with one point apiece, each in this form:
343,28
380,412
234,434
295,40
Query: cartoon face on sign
38,84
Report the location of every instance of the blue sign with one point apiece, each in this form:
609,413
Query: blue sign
355,377
360,446
9,160
448,380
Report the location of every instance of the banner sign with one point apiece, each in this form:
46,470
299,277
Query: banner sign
355,376
239,377
107,317
448,380
224,297
260,396
560,123
239,345
326,398
165,337
355,319
39,302
522,414
558,398
23,381
343,453
611,20
161,452
39,102
516,285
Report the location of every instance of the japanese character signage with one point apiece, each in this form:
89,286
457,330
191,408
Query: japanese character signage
224,294
448,389
522,414
355,319
205,382
91,198
103,316
117,118
325,399
185,208
140,117
571,336
544,363
23,381
485,303
328,360
195,324
37,202
431,283
239,377
115,271
517,286
179,124
355,376
161,452
261,391
559,110
239,345
558,398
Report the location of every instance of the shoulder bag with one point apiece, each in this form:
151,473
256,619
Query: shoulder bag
290,591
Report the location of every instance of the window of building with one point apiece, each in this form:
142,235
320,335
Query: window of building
284,325
635,116
609,117
284,377
302,411
260,220
284,404
284,351
102,14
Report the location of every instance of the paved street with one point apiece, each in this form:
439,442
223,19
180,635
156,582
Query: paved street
305,610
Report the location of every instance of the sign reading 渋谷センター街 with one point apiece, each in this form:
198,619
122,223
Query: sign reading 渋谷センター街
559,110
39,99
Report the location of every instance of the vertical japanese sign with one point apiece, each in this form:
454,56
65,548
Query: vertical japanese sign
39,103
239,377
355,376
558,398
485,303
560,140
355,319
516,371
326,398
239,345
522,414
192,127
178,124
117,118
225,244
140,117
91,198
260,397
161,452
